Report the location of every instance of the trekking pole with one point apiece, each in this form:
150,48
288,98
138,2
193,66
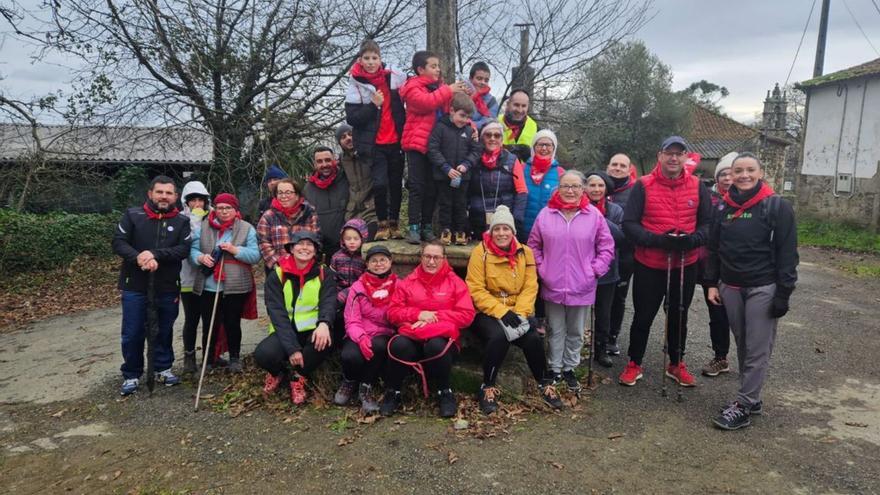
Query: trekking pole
665,346
680,320
210,332
152,330
592,346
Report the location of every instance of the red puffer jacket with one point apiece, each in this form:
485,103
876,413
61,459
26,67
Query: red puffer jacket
423,97
443,292
670,205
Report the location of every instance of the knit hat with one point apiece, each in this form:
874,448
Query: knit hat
609,184
545,133
226,198
342,129
492,124
274,172
377,249
502,216
725,163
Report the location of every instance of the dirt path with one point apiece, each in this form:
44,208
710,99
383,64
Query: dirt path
63,428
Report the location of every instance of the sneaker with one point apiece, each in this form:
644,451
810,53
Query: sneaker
189,363
603,358
271,383
680,374
391,402
298,389
346,390
448,404
446,237
383,233
486,397
461,239
715,367
571,380
394,227
428,234
550,395
129,386
756,410
369,404
631,374
612,348
167,377
412,235
234,366
733,418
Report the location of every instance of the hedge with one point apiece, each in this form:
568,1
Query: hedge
33,242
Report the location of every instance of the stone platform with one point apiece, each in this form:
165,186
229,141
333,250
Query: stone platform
406,255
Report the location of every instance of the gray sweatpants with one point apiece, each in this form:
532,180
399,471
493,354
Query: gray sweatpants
565,335
748,310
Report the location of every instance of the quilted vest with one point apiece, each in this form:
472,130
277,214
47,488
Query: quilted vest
670,204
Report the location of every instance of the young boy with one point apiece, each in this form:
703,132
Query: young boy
453,152
375,111
485,105
349,265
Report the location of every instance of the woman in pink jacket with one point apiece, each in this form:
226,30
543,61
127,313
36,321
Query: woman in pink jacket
573,248
367,330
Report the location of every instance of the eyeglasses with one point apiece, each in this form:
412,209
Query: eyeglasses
224,208
572,187
378,261
285,193
543,145
492,135
677,154
430,257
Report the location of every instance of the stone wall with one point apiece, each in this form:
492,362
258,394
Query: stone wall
815,198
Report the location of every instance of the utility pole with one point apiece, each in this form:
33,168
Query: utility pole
523,75
819,66
441,17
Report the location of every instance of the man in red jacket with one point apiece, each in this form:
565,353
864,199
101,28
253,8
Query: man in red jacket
667,215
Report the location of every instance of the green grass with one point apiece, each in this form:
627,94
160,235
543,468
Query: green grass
863,269
838,236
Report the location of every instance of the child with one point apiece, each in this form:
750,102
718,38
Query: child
424,95
485,105
348,264
375,111
453,152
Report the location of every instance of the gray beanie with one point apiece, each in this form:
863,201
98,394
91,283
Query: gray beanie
502,216
725,163
342,129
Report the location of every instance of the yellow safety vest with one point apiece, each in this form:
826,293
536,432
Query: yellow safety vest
525,137
304,313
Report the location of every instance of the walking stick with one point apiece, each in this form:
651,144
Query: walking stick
664,391
592,346
152,330
680,319
210,332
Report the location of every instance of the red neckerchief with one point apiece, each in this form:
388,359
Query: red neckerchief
288,265
762,193
480,105
288,212
513,126
377,79
427,279
493,248
600,205
221,227
557,203
540,166
324,183
155,215
379,289
490,158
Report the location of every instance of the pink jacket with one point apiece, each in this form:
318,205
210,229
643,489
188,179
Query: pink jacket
362,318
571,255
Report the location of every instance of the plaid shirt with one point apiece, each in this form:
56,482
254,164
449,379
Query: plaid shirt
274,231
349,268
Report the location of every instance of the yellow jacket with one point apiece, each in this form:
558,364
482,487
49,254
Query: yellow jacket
496,288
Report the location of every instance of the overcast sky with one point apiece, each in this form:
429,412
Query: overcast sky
745,45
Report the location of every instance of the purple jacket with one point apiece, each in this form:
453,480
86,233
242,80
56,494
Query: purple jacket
571,255
362,318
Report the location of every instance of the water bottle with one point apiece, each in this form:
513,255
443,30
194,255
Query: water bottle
455,183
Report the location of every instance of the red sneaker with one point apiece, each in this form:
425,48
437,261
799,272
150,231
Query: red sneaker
680,374
298,390
630,375
270,384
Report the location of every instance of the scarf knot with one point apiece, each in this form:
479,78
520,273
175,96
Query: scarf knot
159,215
509,253
490,158
288,211
379,288
764,191
557,203
325,182
288,265
479,103
540,166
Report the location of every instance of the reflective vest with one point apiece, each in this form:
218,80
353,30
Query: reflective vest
530,127
303,314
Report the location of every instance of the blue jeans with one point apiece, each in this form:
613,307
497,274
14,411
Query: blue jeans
134,320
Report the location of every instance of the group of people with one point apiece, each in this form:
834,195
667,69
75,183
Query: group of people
553,248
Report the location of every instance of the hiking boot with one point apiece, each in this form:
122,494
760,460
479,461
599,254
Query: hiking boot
550,395
394,228
391,402
383,233
461,239
189,363
571,380
603,358
167,377
129,386
486,397
612,348
446,237
412,235
733,418
369,404
680,374
448,404
346,390
756,410
298,390
234,366
217,364
715,367
631,374
428,234
271,383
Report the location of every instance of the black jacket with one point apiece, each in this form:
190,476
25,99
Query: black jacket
274,298
168,239
330,207
363,116
449,146
748,251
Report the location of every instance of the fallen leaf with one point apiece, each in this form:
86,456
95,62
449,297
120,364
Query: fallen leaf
612,436
345,441
461,424
399,422
819,351
367,420
856,424
557,465
117,474
59,413
452,457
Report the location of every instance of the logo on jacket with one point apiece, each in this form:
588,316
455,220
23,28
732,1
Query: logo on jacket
170,228
690,203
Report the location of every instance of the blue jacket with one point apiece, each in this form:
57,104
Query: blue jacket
539,194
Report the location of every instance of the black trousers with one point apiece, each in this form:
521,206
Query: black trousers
422,189
386,170
649,291
229,308
270,355
453,206
192,313
437,370
489,331
719,327
602,314
356,367
618,306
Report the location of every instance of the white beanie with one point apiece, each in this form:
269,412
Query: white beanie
492,124
502,216
545,133
725,163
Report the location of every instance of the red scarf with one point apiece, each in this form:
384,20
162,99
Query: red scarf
221,227
324,183
288,265
557,203
764,192
427,279
387,132
153,215
493,248
479,103
288,212
490,158
600,205
379,289
377,79
540,166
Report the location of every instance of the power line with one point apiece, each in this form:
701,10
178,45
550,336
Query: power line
876,6
860,27
806,25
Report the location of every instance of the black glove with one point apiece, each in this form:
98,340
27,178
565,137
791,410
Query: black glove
780,301
675,242
511,319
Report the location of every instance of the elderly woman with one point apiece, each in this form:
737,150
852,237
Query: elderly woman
367,330
542,173
497,180
300,298
429,307
224,235
573,249
753,252
289,212
503,282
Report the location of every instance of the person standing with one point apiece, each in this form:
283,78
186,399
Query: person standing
327,191
152,241
623,176
273,174
196,205
485,105
519,127
360,185
499,180
542,173
288,214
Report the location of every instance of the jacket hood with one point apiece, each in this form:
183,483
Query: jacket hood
358,225
194,187
417,82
